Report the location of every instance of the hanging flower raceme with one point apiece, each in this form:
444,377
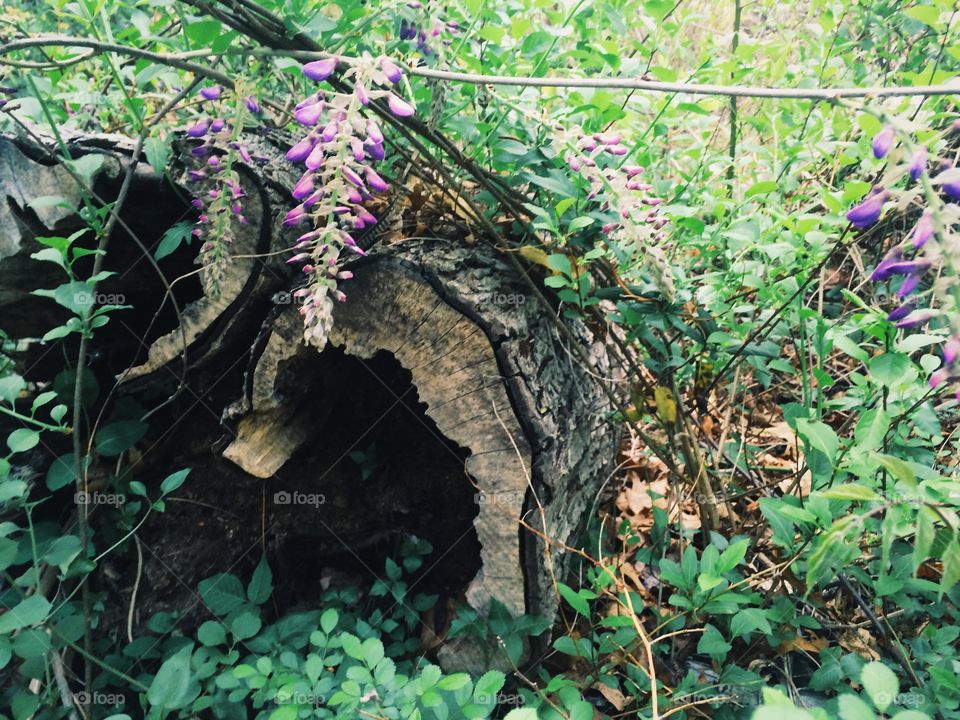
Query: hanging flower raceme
930,243
338,153
637,222
217,193
430,30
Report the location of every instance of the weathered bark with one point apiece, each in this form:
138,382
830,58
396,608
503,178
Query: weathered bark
500,391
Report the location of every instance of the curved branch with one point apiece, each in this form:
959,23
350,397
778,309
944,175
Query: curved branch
179,60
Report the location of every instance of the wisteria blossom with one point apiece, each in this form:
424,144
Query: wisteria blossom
218,196
638,223
338,154
930,243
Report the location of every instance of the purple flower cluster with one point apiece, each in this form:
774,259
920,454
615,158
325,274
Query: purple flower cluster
429,30
217,194
339,154
908,261
639,222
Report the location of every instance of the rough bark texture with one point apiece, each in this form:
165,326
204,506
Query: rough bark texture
490,383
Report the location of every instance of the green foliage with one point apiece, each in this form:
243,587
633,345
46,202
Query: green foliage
750,299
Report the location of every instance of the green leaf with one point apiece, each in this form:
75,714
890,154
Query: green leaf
157,151
880,683
176,235
732,556
951,566
329,619
372,649
171,688
560,263
898,468
850,492
212,633
761,188
174,481
749,620
522,714
712,643
261,584
118,437
889,369
30,611
488,685
819,436
87,166
222,593
245,625
22,439
871,429
574,599
926,14
62,551
926,532
851,707
10,388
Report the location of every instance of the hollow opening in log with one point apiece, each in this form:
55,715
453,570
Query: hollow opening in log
372,471
376,469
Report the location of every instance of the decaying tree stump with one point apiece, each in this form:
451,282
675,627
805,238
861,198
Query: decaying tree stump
486,429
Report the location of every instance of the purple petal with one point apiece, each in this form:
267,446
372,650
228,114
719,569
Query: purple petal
923,230
217,125
211,93
391,70
294,217
316,157
900,312
330,130
373,132
251,104
199,128
918,163
917,317
351,176
883,141
299,152
375,150
309,115
319,70
868,212
399,107
356,147
361,94
304,186
909,284
375,181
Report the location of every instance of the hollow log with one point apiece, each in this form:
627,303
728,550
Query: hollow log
446,403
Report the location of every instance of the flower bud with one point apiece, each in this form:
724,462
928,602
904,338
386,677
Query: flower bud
399,107
923,230
918,163
391,70
320,70
868,212
883,141
211,93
